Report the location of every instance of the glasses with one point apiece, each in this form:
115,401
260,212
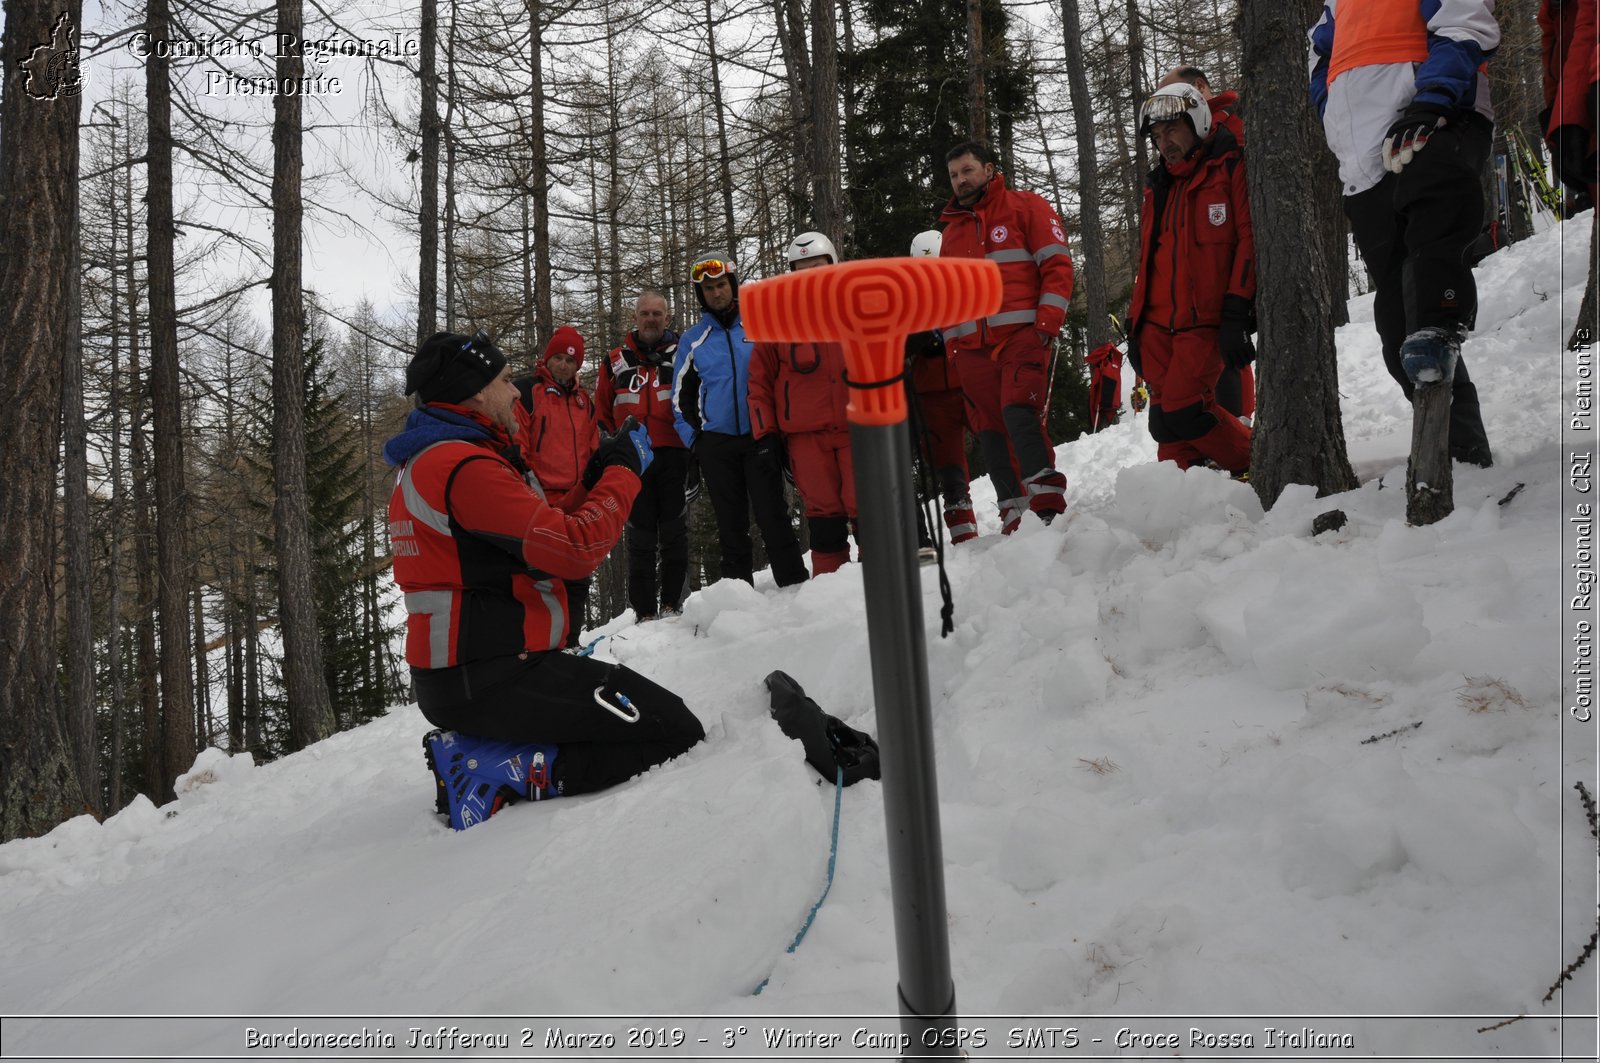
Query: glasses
711,267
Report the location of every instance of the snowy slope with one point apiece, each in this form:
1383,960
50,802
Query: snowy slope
1156,795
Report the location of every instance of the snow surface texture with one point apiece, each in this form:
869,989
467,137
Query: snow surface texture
1156,794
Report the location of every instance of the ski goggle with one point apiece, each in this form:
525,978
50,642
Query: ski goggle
711,267
1162,107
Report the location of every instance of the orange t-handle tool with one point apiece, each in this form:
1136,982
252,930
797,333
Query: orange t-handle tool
871,307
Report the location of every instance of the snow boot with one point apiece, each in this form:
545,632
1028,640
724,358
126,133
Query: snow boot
476,777
1047,493
962,521
1429,355
830,744
1429,358
1011,511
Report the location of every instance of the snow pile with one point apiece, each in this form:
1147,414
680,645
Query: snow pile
1192,760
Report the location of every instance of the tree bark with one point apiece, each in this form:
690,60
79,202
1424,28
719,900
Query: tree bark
80,686
310,712
539,160
39,787
827,217
166,412
724,164
797,67
977,93
1298,434
428,205
1092,268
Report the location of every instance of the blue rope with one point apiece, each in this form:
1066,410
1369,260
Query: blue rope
833,859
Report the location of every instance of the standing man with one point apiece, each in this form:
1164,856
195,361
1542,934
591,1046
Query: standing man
1105,387
710,397
481,557
558,432
1236,388
797,402
1193,304
941,416
1003,358
1404,99
636,381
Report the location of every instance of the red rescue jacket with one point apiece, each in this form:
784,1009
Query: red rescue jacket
929,364
558,431
797,387
480,555
1024,235
1571,62
635,382
1195,240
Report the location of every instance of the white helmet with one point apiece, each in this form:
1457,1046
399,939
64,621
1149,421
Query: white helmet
1175,101
810,245
926,244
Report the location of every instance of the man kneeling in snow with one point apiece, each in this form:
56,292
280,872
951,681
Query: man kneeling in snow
481,556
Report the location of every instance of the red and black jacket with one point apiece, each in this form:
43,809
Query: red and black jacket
797,387
558,431
1024,235
478,553
636,381
1196,244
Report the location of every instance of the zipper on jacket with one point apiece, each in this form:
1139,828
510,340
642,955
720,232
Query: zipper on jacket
733,377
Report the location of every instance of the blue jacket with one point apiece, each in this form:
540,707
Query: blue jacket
711,379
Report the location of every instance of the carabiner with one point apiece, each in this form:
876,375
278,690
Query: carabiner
623,710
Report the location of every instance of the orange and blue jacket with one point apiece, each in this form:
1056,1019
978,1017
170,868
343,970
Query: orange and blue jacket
1372,59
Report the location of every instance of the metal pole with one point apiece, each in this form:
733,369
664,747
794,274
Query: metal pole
890,573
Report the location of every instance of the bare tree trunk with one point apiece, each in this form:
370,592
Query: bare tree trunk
797,66
310,713
39,787
80,686
451,290
724,167
1298,434
1136,86
827,217
977,93
114,562
202,677
152,762
172,523
539,160
615,325
428,206
1093,266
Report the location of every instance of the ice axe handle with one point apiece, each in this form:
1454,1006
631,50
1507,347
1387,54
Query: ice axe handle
870,307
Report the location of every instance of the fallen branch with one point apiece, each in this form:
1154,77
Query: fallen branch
1390,734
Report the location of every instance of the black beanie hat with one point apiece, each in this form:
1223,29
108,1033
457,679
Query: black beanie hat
449,367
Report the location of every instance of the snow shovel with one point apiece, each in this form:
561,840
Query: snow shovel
871,307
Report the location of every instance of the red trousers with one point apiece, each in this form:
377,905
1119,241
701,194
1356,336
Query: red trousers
1186,421
823,473
944,424
1016,375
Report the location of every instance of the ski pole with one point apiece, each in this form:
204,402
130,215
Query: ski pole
871,307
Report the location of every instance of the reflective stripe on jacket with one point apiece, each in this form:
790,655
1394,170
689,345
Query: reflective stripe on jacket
1022,234
480,556
1371,59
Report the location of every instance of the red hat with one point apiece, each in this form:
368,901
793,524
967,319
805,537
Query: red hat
565,341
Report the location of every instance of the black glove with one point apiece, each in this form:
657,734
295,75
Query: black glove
1410,132
1569,147
770,453
1131,349
621,449
1233,335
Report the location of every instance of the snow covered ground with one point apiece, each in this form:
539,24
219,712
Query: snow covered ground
1160,799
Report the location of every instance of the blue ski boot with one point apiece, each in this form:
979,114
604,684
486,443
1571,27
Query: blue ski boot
1429,355
477,777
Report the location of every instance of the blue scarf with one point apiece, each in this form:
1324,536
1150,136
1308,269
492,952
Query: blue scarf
428,426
